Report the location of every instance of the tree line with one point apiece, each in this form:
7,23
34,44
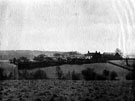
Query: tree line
44,61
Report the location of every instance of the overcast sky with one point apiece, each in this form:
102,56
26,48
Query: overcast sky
67,25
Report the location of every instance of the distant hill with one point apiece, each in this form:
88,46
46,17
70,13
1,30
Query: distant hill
9,54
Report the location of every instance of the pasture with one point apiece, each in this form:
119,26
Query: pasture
98,68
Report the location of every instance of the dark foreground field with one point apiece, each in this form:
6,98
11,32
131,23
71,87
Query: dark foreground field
66,90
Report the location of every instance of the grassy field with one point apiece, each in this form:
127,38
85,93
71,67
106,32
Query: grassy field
51,71
98,67
66,90
123,62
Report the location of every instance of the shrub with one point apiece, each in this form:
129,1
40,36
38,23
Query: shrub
10,76
89,74
5,76
40,74
75,76
1,74
100,77
67,76
130,76
59,73
24,74
106,74
113,75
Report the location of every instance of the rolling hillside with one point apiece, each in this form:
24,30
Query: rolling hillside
98,67
6,55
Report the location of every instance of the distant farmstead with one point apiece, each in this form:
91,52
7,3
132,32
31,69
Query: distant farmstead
90,55
105,55
111,56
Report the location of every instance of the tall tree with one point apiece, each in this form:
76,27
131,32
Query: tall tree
118,51
40,58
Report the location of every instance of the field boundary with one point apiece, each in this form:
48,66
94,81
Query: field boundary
125,67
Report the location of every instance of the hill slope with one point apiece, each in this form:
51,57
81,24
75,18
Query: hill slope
6,55
98,67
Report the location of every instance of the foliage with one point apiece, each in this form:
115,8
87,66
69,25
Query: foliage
100,77
67,76
130,76
89,74
127,58
113,75
19,60
57,55
75,76
26,75
40,58
1,74
106,72
40,74
14,61
23,59
118,52
59,72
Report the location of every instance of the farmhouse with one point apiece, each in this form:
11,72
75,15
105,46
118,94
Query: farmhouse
90,55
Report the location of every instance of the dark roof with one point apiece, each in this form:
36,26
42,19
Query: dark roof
90,54
108,53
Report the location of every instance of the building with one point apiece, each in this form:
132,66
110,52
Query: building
90,55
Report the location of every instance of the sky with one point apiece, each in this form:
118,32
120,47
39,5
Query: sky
68,25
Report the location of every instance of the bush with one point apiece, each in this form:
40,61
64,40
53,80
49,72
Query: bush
100,77
1,74
113,75
106,74
59,73
130,76
4,76
27,75
89,74
75,76
24,74
67,76
40,74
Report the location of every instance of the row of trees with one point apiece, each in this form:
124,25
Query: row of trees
86,74
43,61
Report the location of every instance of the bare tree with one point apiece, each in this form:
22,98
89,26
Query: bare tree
119,52
127,58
